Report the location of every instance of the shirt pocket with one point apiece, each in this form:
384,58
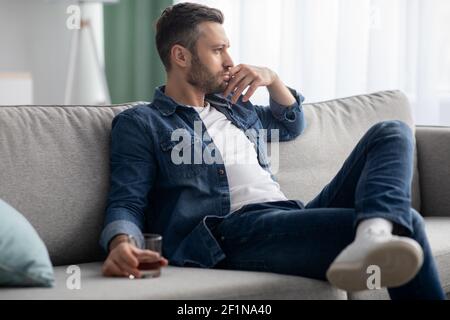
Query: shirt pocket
175,163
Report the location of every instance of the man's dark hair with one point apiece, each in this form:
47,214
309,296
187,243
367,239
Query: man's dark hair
178,24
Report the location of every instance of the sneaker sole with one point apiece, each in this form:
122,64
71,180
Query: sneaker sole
398,260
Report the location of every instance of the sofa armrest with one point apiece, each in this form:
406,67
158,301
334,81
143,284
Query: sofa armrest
433,152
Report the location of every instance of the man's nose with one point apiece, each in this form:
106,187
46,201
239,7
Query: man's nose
228,62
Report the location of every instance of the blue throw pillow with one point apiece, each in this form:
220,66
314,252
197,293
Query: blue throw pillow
24,260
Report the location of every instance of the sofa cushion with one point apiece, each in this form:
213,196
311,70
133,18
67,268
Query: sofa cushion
181,283
333,129
24,260
439,237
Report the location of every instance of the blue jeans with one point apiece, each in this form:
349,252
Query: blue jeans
288,237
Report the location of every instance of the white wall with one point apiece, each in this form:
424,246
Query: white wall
34,38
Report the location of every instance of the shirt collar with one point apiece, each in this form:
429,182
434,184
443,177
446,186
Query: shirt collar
168,106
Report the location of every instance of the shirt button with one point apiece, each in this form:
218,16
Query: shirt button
221,172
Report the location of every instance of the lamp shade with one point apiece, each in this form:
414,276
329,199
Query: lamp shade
86,80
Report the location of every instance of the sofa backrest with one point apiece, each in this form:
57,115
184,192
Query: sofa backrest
54,162
333,129
54,170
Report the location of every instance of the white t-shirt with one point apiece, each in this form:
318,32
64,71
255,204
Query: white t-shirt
247,180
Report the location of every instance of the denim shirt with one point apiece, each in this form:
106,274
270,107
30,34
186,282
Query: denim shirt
150,193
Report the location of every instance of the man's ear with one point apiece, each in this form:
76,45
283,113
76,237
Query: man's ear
180,56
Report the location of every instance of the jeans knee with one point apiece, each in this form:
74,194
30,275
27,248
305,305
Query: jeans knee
393,126
397,128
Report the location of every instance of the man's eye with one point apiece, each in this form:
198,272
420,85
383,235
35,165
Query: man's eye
217,50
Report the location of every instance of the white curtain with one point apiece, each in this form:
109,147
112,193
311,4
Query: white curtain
330,49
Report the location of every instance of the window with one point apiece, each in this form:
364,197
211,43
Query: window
335,48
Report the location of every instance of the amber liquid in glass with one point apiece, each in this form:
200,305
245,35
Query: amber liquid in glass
150,269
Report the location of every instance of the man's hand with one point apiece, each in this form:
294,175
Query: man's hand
124,258
243,76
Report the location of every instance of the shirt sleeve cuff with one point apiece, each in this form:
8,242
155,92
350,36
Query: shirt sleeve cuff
120,227
287,113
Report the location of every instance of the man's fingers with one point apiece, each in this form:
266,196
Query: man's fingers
164,262
128,269
242,85
152,256
125,262
147,255
129,258
251,90
108,269
233,83
111,269
235,69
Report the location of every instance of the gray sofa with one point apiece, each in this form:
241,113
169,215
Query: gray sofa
54,169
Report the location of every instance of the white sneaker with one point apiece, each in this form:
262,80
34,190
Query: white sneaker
399,260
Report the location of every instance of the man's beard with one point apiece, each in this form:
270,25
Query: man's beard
202,78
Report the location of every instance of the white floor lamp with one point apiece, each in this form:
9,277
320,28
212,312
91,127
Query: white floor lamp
86,79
